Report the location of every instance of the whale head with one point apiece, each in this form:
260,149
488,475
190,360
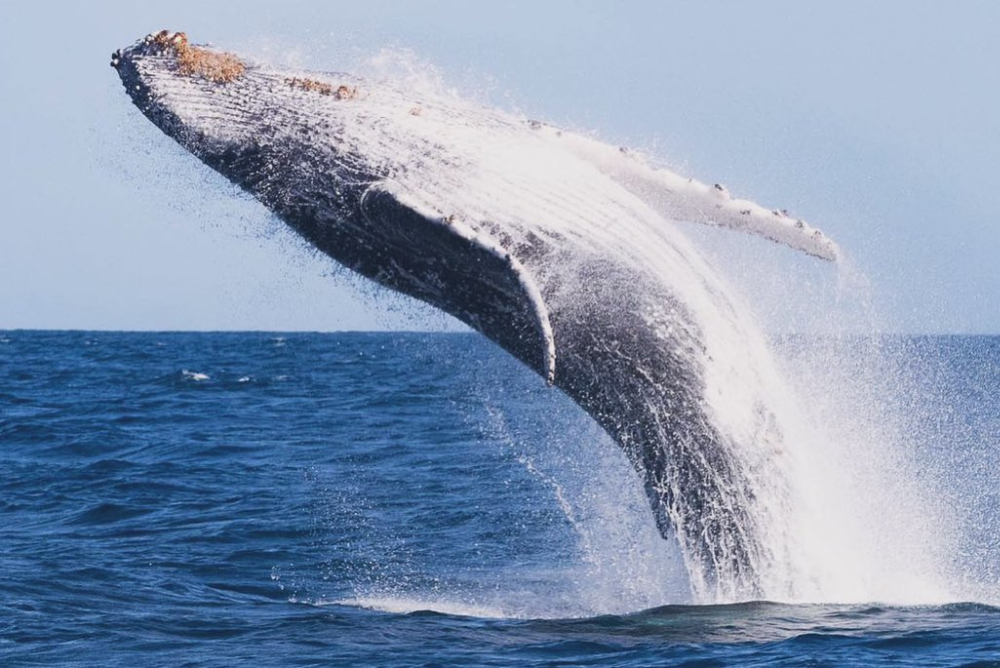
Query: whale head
215,104
326,153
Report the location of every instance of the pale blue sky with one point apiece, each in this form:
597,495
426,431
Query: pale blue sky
878,122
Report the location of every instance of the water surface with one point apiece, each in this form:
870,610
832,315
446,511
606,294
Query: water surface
399,500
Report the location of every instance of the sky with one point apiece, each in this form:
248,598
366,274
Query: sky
877,122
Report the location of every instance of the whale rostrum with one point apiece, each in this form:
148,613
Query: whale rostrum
562,250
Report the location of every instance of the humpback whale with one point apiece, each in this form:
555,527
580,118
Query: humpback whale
563,250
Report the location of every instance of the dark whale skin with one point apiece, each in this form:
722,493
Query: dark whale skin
578,317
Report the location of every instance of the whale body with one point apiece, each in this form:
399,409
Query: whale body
562,250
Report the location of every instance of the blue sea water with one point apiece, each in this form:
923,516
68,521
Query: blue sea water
220,499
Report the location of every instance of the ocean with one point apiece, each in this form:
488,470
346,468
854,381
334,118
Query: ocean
406,499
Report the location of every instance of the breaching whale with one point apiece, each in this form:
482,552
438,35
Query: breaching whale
561,249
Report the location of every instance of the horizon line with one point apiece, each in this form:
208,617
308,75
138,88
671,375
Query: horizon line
463,331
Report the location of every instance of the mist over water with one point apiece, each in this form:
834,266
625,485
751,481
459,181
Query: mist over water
831,431
892,505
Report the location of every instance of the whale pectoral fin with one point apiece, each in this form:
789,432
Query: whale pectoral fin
464,272
680,198
676,197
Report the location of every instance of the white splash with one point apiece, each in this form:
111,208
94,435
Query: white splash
808,497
